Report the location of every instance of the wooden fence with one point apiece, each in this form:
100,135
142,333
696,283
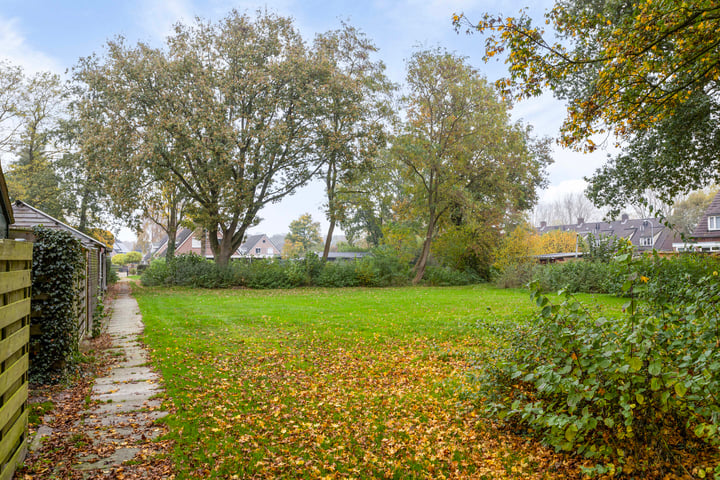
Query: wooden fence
15,269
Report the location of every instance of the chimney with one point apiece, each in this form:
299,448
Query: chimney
625,217
543,224
581,220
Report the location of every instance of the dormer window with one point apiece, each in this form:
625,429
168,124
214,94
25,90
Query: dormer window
714,222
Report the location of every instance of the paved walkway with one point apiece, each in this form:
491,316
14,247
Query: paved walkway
124,403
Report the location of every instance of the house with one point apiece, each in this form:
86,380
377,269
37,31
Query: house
645,234
121,247
706,236
189,241
259,246
26,217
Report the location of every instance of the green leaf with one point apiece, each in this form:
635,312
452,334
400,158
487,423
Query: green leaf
609,422
571,433
635,363
680,389
654,368
655,384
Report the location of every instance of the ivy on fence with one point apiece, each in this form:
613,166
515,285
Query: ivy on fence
58,265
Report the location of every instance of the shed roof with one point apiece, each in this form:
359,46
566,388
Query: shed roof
28,217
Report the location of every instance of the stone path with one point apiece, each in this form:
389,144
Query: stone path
126,402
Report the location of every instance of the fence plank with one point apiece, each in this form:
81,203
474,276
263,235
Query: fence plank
17,370
8,470
14,435
14,343
13,312
13,405
11,281
11,250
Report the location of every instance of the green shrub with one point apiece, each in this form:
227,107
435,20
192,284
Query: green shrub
112,272
58,263
581,276
666,276
383,269
445,277
515,275
262,273
339,274
157,273
626,393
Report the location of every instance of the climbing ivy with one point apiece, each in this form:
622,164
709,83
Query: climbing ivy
58,265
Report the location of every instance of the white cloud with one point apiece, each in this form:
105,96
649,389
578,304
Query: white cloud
157,17
559,190
14,47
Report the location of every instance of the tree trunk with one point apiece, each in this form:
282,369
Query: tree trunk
425,254
330,183
225,251
82,226
170,251
172,228
328,239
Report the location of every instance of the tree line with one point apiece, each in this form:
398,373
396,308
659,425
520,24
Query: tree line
228,117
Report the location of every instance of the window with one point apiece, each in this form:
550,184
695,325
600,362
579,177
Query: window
195,243
714,223
646,241
258,250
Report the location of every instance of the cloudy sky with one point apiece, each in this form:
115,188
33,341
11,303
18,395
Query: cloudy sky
54,34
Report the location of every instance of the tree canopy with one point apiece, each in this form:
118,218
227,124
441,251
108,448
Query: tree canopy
303,238
647,72
225,111
463,162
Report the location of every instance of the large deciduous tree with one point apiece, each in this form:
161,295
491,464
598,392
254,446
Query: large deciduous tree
351,125
463,162
11,87
225,110
647,72
32,176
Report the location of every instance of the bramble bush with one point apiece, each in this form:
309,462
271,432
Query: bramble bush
667,276
631,394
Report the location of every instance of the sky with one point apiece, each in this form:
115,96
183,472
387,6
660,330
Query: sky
53,35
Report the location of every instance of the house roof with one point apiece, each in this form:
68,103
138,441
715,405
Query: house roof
252,240
180,238
28,217
701,230
629,228
6,209
122,247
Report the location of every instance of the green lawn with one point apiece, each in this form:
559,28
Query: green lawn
331,383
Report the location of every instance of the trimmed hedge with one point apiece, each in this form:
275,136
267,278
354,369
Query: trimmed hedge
382,269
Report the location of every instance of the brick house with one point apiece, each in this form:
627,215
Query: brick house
706,236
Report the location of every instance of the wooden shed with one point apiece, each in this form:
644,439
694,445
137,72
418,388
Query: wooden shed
95,284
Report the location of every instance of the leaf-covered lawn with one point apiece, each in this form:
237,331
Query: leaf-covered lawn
332,383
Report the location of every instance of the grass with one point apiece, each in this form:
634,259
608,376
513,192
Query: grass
38,410
314,383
